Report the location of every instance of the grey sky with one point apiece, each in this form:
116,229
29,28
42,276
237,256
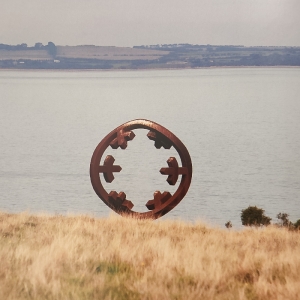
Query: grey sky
138,22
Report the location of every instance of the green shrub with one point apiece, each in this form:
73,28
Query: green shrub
297,224
254,216
228,224
284,220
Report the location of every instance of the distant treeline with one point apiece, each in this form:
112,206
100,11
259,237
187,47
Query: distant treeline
50,47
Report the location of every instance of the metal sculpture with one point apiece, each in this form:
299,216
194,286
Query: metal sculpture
161,203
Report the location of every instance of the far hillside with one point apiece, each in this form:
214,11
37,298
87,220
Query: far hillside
108,53
162,56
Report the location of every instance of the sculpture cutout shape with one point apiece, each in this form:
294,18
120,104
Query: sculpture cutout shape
161,203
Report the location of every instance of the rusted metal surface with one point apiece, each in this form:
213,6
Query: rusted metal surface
161,203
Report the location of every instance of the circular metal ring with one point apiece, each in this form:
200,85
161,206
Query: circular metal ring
162,203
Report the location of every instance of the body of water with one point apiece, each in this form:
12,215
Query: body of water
241,127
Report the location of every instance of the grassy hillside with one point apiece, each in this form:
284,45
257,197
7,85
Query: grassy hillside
108,53
24,54
80,257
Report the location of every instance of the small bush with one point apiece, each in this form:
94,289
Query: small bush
284,220
297,224
254,216
228,224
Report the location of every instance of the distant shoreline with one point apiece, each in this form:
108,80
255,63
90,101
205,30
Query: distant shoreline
150,69
156,57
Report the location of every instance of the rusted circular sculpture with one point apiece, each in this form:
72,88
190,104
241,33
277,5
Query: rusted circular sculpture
161,203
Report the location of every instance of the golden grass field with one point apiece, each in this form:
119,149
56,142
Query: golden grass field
81,257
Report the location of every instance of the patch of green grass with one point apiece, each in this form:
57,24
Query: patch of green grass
113,268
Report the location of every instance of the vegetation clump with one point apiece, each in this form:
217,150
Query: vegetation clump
254,216
297,224
284,220
228,224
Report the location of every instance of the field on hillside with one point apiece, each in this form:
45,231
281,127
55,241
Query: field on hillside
81,257
108,53
24,54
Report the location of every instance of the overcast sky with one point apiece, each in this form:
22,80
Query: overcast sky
145,22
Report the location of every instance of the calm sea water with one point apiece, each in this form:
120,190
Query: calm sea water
241,127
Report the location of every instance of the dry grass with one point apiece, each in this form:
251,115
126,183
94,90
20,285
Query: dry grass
108,53
80,257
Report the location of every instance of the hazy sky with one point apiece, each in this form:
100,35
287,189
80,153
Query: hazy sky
139,22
